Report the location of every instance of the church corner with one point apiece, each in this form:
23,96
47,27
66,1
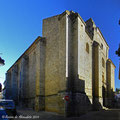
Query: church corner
67,70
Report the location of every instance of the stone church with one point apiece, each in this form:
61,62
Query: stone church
67,70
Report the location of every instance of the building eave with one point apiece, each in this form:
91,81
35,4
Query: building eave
102,36
35,42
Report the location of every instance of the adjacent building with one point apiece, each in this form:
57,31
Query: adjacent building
66,71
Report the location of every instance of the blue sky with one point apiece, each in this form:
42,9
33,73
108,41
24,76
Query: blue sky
21,23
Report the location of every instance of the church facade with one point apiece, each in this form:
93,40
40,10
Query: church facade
67,70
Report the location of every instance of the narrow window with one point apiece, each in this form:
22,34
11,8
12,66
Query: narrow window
103,62
87,47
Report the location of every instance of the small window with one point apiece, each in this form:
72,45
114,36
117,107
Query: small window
101,46
103,79
103,63
87,47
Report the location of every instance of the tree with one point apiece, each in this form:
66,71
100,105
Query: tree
2,62
0,87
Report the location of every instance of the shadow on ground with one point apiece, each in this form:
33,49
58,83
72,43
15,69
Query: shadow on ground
111,114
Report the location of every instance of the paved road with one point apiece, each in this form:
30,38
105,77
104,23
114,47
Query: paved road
113,114
102,115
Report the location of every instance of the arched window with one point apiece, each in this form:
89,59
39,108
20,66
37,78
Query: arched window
103,62
87,47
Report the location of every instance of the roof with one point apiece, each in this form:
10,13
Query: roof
36,40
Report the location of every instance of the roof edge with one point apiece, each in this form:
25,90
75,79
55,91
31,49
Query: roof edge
111,62
71,12
36,40
102,36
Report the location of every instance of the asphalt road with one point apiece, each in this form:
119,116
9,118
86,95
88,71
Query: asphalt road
113,114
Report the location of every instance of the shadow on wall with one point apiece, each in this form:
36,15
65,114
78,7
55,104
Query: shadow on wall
114,100
79,102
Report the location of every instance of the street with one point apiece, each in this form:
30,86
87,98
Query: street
113,114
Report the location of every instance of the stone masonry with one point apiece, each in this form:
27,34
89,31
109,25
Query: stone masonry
71,59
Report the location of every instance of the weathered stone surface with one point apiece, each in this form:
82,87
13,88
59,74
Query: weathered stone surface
71,59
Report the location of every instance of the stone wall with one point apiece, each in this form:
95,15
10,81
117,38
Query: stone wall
110,82
22,78
54,29
8,92
14,83
40,76
71,59
85,59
